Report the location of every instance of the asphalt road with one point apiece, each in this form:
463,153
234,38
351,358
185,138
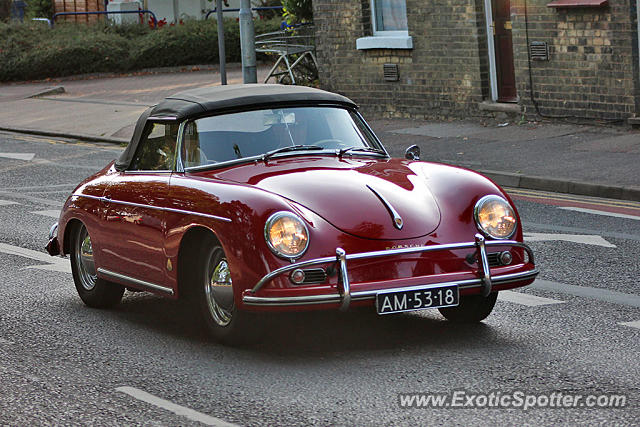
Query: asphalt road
575,331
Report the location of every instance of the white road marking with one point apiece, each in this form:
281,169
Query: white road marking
596,212
53,263
18,156
587,239
62,267
599,294
7,203
52,213
526,299
176,409
39,200
635,324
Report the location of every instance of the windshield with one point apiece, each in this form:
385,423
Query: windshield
248,134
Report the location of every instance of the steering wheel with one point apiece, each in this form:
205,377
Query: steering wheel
335,143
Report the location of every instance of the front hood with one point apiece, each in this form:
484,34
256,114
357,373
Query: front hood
370,198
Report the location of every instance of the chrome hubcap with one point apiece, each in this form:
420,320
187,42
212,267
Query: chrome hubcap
219,293
84,260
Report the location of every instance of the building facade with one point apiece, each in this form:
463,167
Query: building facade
461,58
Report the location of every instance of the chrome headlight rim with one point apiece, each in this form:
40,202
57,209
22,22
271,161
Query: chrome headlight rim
476,211
267,226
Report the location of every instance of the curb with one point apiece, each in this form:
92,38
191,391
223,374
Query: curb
68,135
515,180
54,90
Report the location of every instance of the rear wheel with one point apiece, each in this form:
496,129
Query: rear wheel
211,292
94,291
472,308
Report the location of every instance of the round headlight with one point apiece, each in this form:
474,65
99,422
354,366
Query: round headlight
495,217
287,236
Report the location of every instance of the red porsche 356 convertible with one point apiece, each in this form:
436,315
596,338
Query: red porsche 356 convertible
253,198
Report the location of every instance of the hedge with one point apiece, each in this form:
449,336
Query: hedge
33,51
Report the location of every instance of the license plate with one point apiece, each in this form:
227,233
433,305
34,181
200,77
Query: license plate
417,299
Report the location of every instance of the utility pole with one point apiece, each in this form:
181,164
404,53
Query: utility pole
222,57
247,43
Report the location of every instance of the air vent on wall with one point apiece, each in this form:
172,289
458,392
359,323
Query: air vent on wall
390,72
539,51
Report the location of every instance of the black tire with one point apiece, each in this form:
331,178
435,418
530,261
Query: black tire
472,308
94,291
210,293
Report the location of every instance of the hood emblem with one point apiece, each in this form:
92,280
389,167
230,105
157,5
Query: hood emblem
397,219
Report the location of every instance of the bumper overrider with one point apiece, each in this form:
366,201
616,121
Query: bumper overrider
345,296
53,248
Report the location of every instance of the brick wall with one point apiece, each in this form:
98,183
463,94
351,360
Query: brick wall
592,70
443,75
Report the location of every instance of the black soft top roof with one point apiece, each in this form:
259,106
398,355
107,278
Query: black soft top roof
218,99
195,102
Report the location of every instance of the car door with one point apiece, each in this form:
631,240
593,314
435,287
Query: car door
135,217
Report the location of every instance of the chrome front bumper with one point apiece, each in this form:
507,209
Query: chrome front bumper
345,295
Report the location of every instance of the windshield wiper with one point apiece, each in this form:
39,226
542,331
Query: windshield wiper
365,149
267,155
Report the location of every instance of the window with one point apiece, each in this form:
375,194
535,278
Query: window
389,24
157,149
248,134
389,16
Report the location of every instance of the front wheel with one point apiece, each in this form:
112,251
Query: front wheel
211,292
472,308
94,291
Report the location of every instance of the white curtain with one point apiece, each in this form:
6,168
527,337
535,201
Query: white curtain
391,15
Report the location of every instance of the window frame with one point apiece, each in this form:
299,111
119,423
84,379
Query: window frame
380,39
180,167
154,121
389,33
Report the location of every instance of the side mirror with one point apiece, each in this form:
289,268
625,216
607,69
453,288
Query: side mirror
412,153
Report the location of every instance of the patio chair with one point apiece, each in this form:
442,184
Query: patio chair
295,49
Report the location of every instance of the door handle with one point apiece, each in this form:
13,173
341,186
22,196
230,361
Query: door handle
507,25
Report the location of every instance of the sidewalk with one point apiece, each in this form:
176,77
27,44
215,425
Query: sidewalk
577,159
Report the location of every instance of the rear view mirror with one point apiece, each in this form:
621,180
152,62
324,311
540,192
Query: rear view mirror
412,153
278,117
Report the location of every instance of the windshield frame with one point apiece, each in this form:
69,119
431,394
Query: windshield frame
355,116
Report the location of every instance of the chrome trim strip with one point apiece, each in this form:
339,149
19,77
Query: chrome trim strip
162,118
146,172
365,295
179,164
395,216
366,125
281,301
399,251
113,275
138,205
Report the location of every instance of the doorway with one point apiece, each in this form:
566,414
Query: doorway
502,50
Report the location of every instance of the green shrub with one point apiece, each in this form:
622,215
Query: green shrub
39,9
33,51
297,11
